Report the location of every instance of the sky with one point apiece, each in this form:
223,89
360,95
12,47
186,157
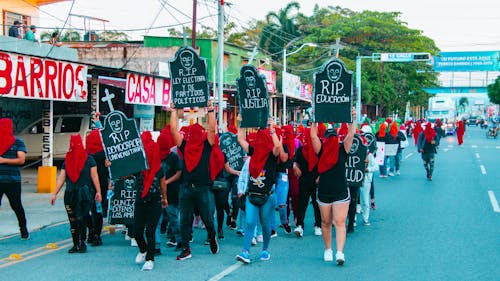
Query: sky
454,25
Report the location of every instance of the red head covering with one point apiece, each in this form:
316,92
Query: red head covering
394,130
460,127
195,141
232,129
438,122
165,142
216,159
344,129
321,130
263,146
93,142
6,134
308,151
154,163
251,137
382,130
300,129
388,120
75,158
429,132
329,155
289,140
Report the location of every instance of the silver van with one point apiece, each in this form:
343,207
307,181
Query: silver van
64,127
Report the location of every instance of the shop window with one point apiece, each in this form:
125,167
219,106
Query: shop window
10,17
71,124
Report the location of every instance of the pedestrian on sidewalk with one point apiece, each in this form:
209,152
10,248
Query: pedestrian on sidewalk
12,156
81,171
427,144
333,193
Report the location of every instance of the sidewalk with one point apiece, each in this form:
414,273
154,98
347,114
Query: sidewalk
39,212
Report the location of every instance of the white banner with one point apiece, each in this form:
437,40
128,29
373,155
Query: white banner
380,155
26,77
391,149
147,90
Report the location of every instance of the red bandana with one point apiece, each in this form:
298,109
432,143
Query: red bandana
330,154
394,130
381,130
263,146
308,151
232,129
6,134
93,142
216,159
429,133
152,151
165,142
75,158
344,129
289,140
417,130
321,130
195,141
460,127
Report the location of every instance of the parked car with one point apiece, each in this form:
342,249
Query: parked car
64,127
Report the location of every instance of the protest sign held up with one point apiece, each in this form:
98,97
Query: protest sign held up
123,145
121,204
188,79
332,93
355,165
233,150
253,98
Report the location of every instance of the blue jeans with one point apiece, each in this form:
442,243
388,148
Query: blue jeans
174,222
391,160
281,192
264,212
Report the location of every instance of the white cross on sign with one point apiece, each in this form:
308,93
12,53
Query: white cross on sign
107,98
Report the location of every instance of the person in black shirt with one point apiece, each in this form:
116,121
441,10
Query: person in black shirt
428,142
333,193
14,30
196,148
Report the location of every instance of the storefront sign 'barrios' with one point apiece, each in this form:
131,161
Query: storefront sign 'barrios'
28,77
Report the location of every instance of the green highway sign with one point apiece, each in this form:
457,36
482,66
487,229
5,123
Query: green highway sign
400,57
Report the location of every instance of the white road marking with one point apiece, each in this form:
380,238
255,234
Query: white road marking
493,201
409,155
483,169
474,146
226,272
477,156
450,146
498,147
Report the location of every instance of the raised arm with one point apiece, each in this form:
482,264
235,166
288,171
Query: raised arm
316,142
241,135
276,141
174,125
212,123
350,134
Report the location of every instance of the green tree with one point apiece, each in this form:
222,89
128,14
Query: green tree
463,102
494,91
113,35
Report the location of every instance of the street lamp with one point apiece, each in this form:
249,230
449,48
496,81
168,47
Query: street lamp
284,71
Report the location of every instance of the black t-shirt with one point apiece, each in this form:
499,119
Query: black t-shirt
304,167
154,193
267,177
84,178
172,164
102,170
200,175
332,183
282,166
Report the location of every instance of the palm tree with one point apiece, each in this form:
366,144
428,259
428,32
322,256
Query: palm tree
463,102
280,28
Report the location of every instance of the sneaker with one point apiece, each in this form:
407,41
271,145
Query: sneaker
97,242
214,246
171,243
299,232
243,257
383,176
398,173
429,177
228,220
133,243
358,208
192,239
128,238
287,228
274,233
25,235
373,206
148,265
82,248
366,223
317,231
260,238
240,232
233,225
339,257
140,258
184,255
265,256
391,174
254,241
73,249
157,252
328,255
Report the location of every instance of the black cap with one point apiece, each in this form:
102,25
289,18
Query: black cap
330,132
17,22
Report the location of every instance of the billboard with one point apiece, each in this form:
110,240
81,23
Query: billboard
270,79
147,90
466,61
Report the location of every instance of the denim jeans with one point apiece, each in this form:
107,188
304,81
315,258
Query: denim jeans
281,191
201,197
173,221
253,213
365,196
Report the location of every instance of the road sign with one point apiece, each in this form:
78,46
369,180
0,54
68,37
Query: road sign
401,57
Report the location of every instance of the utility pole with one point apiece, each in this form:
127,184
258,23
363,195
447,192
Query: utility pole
220,61
193,31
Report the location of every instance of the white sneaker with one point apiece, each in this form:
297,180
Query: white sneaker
148,265
398,173
366,222
254,241
391,174
358,208
260,239
317,231
339,257
133,243
128,238
140,258
328,255
299,231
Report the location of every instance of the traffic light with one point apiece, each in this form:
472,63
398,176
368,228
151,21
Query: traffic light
421,57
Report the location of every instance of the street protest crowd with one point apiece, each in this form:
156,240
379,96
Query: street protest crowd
190,182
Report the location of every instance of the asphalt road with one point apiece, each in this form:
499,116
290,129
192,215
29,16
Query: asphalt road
446,229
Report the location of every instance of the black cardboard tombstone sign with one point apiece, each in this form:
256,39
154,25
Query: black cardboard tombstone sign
232,150
189,84
123,145
371,142
121,210
332,93
253,98
355,165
